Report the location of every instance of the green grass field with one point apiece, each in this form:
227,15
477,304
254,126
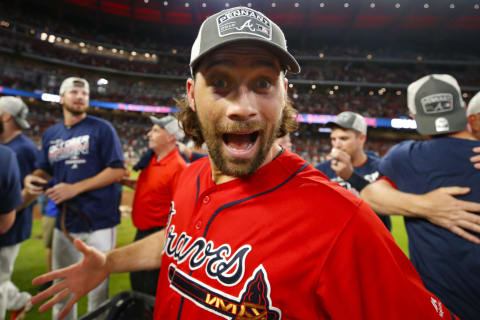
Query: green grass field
31,261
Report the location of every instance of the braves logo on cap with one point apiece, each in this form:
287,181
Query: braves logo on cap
246,21
437,103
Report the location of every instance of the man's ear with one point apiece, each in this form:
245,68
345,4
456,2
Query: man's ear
191,93
61,100
285,84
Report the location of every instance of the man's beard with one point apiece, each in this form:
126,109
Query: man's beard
238,167
74,111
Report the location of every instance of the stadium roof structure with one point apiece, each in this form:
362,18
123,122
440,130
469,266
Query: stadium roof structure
453,23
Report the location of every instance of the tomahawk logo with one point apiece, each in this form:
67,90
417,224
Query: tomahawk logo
253,301
244,21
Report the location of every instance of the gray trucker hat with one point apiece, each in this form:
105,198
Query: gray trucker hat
17,109
73,82
437,105
474,105
169,123
349,120
241,24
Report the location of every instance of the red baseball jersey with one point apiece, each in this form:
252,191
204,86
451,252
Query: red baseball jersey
284,243
154,191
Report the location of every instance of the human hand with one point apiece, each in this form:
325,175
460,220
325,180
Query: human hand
476,159
61,192
443,209
77,279
341,163
34,185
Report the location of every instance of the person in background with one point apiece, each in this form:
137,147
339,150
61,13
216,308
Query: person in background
154,190
444,249
83,155
473,115
13,119
349,165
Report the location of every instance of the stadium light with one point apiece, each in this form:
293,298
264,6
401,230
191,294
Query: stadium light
51,38
426,6
165,3
43,36
102,82
204,5
322,4
297,4
187,4
476,6
397,5
452,6
346,4
274,4
249,4
372,5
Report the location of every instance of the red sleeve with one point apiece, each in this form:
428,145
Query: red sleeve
389,181
367,276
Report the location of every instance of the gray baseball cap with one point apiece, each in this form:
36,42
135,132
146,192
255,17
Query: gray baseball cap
169,123
241,24
474,105
349,120
73,82
437,105
17,108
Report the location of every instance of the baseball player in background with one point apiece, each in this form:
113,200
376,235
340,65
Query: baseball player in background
473,115
154,190
84,156
444,257
13,119
255,231
349,164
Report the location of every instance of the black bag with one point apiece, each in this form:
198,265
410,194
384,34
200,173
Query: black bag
127,305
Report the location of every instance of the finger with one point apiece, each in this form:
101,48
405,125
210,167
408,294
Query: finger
454,191
51,291
467,236
476,149
477,165
470,225
56,299
67,308
53,275
81,246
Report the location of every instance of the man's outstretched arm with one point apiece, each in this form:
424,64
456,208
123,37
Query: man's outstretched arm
78,279
439,206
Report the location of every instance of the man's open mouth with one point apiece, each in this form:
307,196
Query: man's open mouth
240,142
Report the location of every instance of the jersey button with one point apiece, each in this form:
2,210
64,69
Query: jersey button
198,225
206,199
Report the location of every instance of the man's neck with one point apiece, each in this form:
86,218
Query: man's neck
8,136
359,159
71,119
464,134
160,154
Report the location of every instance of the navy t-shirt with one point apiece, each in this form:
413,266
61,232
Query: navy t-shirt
448,264
72,154
26,152
368,170
10,187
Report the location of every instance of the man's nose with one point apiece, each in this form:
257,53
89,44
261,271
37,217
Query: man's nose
244,105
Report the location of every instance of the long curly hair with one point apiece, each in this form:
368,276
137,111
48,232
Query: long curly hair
189,120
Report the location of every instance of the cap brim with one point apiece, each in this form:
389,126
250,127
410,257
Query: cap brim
23,123
156,121
286,59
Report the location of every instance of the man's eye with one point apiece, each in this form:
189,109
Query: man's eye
220,83
263,83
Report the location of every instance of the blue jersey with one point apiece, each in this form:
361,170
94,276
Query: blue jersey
448,264
26,152
72,154
10,187
368,170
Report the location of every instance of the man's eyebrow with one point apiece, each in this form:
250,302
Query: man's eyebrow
229,63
